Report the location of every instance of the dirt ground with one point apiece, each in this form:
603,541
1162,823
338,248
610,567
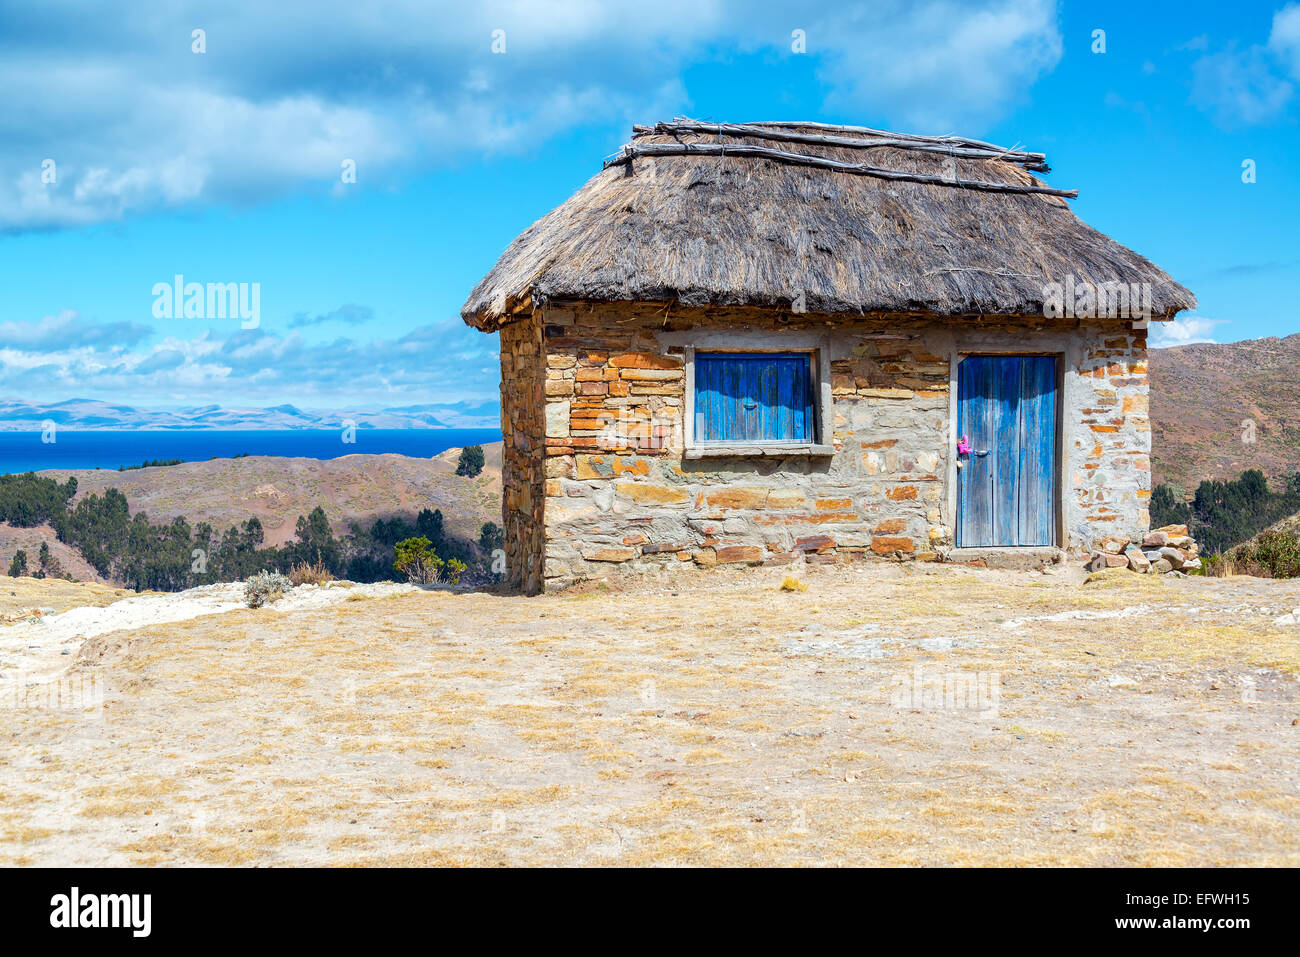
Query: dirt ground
714,719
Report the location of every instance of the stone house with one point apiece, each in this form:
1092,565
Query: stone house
778,341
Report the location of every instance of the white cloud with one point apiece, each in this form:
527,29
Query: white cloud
70,330
65,355
1284,39
1182,332
940,64
1239,88
135,121
1248,87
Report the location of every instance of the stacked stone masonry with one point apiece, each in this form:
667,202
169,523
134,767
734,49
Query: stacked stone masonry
523,454
597,479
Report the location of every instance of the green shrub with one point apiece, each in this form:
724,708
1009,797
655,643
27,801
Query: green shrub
1219,565
1272,555
416,559
263,587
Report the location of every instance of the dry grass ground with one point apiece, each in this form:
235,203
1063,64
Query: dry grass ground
21,597
718,720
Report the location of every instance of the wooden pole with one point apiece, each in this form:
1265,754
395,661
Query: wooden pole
948,146
634,150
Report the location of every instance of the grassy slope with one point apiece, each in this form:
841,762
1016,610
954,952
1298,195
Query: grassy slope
30,539
1200,395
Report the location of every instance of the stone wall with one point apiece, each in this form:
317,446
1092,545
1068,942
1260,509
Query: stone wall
523,406
1110,474
620,494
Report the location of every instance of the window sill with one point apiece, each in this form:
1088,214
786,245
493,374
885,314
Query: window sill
754,450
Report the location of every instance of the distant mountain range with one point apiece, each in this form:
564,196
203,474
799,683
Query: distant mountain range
18,415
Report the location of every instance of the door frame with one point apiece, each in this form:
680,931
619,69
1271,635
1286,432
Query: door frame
1058,450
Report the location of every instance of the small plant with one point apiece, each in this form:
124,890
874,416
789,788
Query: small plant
314,574
263,587
790,583
416,559
1219,566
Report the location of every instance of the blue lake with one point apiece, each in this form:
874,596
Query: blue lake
25,452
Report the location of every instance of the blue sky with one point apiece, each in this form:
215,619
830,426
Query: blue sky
227,165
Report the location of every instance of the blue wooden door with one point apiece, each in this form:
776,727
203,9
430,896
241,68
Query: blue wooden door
1006,487
753,397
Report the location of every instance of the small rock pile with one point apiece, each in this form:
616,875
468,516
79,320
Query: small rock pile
1162,550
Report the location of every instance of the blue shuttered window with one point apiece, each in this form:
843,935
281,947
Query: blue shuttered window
754,397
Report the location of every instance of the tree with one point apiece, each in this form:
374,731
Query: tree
1167,507
98,528
130,549
316,542
1225,513
429,524
47,565
28,500
471,461
490,538
254,534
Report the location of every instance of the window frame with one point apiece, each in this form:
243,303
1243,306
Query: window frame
749,342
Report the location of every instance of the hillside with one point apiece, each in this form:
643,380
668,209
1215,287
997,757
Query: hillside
277,490
29,540
1200,396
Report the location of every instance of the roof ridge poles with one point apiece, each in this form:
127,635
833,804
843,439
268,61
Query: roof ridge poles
950,146
634,150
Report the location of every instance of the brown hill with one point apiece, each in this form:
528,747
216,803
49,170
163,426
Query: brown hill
277,490
1203,396
29,540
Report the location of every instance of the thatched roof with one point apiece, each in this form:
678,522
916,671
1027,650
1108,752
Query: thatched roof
830,219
